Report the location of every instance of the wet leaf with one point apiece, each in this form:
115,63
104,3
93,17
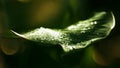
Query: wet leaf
76,36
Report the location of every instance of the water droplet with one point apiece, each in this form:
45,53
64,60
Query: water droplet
70,47
94,22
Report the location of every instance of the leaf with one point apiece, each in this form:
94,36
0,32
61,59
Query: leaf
76,36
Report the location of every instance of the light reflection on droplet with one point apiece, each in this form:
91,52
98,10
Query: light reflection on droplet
93,23
70,47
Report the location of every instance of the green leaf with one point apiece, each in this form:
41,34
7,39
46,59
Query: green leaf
76,36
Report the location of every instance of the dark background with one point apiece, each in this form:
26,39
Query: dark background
36,57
